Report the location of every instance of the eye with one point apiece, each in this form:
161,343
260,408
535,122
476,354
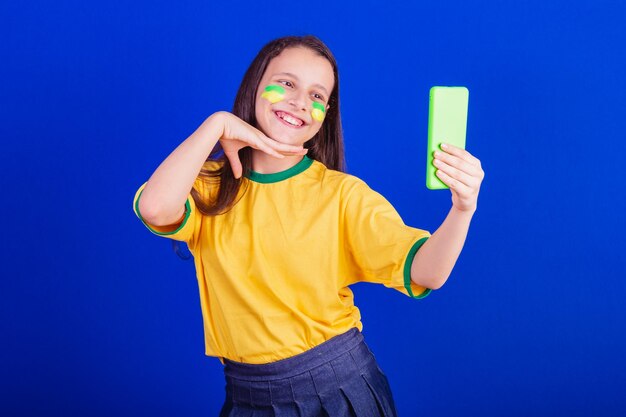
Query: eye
318,96
287,83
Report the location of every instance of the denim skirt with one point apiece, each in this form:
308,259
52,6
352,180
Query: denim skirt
339,377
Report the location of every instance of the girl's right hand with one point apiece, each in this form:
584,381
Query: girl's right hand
237,134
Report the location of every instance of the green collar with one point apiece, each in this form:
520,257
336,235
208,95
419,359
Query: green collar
283,175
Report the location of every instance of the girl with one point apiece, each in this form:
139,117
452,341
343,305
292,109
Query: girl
278,232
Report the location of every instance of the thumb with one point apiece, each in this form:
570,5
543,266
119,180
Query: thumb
235,163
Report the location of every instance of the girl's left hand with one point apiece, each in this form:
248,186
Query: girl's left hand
462,172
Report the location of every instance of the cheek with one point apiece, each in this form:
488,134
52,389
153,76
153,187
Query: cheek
273,93
261,114
318,113
262,106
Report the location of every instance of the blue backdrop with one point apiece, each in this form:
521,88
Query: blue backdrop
100,318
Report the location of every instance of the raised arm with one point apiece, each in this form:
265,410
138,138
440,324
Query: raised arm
434,261
163,199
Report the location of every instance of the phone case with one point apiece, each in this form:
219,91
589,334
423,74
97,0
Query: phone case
447,122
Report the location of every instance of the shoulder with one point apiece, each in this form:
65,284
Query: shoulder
341,181
344,188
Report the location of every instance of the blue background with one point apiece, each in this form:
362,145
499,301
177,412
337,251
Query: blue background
99,317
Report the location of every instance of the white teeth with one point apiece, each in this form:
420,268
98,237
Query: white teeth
289,119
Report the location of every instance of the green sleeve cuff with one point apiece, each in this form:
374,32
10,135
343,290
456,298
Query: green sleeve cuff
407,270
178,229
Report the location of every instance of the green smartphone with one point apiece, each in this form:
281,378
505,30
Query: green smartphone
447,122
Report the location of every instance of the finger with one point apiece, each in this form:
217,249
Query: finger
459,163
454,184
283,147
288,149
263,146
235,163
456,174
279,146
461,153
300,152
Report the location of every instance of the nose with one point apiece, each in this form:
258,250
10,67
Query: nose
297,100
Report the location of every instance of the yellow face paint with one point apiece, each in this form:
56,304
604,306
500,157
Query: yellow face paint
319,111
273,93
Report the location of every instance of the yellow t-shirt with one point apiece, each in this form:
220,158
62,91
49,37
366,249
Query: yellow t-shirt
273,272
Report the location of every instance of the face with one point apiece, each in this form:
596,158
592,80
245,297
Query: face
292,98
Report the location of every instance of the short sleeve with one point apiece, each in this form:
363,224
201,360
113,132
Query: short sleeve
380,246
184,230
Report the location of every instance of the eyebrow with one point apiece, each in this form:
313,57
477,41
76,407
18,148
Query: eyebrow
320,86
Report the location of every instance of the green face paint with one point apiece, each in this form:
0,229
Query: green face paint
273,93
319,111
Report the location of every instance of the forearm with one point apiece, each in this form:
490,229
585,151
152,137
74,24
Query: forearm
434,261
163,198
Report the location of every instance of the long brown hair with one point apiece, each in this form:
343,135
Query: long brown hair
326,146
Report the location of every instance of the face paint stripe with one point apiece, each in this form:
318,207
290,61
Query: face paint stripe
273,93
279,89
319,106
272,97
317,115
319,111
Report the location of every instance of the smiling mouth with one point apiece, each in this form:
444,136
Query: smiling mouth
288,119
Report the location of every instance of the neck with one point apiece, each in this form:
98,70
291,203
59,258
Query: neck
268,164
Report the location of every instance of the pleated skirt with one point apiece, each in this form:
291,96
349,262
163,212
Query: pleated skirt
339,377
